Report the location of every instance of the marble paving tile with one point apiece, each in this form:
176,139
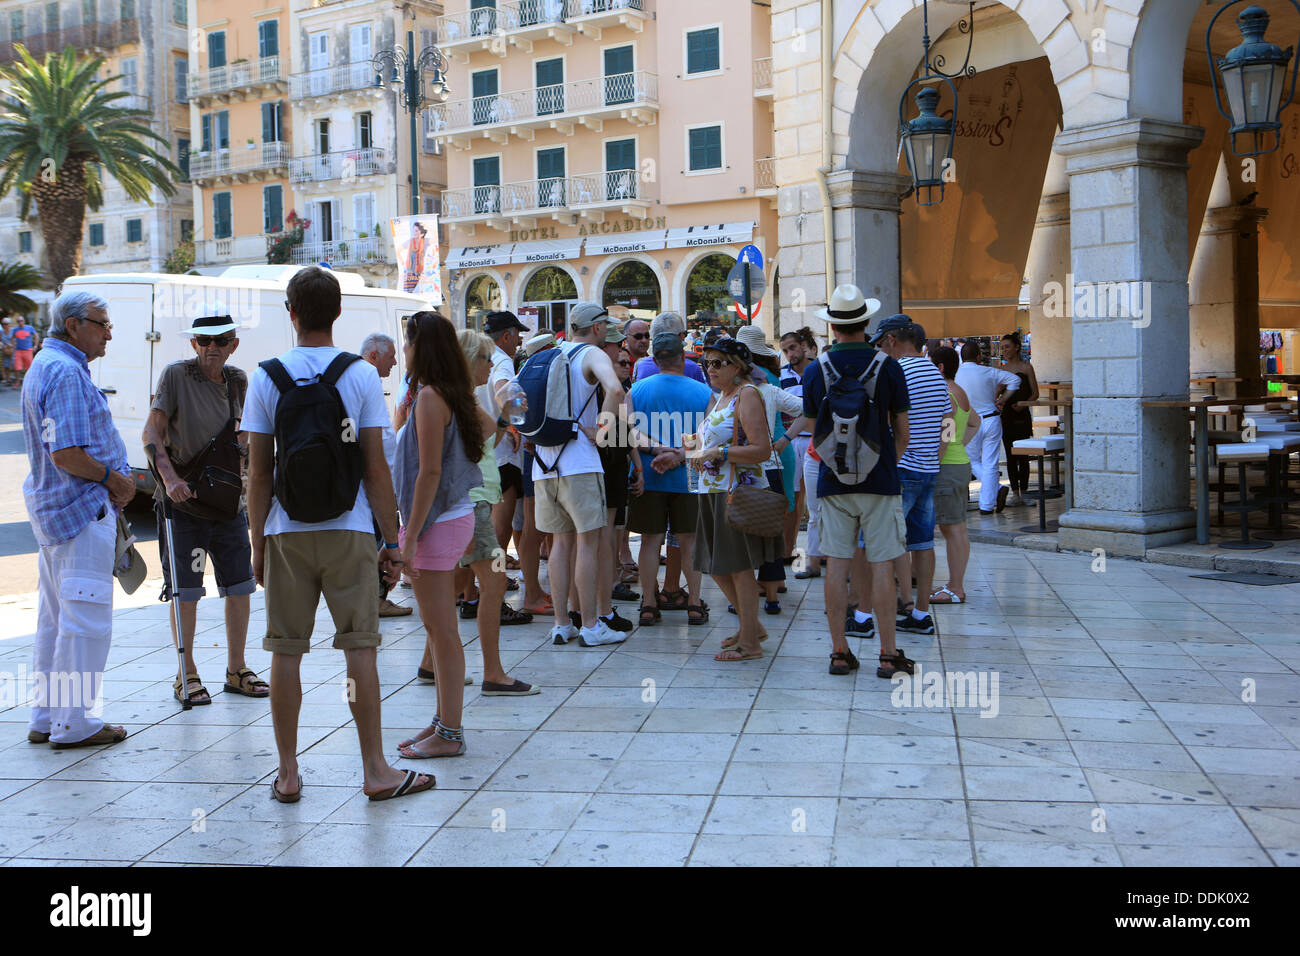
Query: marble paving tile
1206,734
718,849
685,720
1162,825
1153,786
653,746
784,778
870,850
924,781
1117,730
1215,760
665,776
1057,784
1133,756
1007,853
903,818
1275,829
526,810
610,719
71,798
102,838
552,774
644,813
1183,856
455,846
622,848
892,750
223,842
20,832
1019,821
344,844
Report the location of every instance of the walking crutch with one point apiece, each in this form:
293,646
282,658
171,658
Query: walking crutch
179,635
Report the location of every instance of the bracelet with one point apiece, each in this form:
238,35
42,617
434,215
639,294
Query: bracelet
502,423
724,452
104,480
391,547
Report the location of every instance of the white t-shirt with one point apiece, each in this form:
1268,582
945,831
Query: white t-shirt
580,456
363,398
503,370
980,382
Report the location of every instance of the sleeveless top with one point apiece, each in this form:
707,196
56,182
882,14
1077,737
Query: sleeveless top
1021,394
459,474
955,453
719,428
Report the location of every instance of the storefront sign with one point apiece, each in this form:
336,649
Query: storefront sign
720,234
632,242
479,257
547,250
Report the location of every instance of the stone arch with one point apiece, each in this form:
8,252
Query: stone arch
684,269
609,262
882,49
1156,63
461,319
526,276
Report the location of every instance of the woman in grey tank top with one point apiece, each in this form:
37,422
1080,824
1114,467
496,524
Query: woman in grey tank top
435,470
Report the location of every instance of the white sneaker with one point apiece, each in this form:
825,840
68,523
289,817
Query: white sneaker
562,633
601,633
1015,501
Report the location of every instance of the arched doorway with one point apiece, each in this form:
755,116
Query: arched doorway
632,291
707,301
482,296
547,297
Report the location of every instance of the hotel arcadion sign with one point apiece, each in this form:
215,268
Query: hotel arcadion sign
591,229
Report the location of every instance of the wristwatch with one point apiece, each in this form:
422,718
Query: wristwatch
502,423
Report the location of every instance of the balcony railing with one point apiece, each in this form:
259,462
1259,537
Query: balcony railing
86,36
234,249
334,79
264,157
523,19
342,252
542,197
765,176
763,76
132,101
344,164
236,78
548,105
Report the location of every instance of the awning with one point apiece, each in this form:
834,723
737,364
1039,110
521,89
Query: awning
547,250
721,234
476,257
627,242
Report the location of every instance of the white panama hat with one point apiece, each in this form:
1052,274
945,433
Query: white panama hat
848,307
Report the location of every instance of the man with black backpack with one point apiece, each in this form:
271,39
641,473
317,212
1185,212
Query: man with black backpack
193,440
858,398
315,418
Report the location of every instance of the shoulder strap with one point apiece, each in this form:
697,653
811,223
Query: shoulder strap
829,372
230,390
334,371
278,374
871,376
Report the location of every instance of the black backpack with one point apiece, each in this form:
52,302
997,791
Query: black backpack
318,462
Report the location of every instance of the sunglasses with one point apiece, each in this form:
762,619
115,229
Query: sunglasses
221,341
106,326
714,364
640,335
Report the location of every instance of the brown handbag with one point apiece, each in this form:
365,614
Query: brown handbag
752,510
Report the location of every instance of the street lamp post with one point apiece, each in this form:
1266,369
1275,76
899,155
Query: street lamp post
1253,76
405,71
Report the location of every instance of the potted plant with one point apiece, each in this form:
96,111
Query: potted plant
251,144
363,235
343,252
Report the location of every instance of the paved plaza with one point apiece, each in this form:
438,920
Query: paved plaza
1143,717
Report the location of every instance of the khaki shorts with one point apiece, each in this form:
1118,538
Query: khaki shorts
878,517
484,546
570,503
301,566
951,494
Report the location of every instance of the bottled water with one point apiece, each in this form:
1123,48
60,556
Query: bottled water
515,404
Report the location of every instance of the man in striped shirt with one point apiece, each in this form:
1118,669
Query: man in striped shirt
918,470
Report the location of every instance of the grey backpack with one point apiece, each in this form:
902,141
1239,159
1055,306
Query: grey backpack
847,433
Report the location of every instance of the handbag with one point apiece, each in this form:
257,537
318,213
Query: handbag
214,473
128,565
752,510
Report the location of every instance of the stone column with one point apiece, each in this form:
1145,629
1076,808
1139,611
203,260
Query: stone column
1224,309
1128,235
1047,270
866,210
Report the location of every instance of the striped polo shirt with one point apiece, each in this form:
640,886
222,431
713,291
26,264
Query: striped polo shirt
928,395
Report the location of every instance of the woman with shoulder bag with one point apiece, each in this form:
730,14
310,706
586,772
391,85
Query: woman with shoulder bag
739,523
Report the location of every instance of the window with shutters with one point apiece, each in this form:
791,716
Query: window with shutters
272,208
16,24
322,136
363,213
96,234
88,15
549,75
268,38
52,18
187,230
126,9
180,12
216,49
619,76
703,50
130,74
135,230
704,148
183,158
182,79
222,226
205,133
24,242
273,122
223,129
483,89
365,130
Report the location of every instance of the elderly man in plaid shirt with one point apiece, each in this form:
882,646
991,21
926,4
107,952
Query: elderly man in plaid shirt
79,479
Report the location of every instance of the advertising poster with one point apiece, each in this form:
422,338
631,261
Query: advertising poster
415,239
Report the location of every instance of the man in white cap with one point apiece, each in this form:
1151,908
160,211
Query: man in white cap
871,507
193,425
569,482
662,323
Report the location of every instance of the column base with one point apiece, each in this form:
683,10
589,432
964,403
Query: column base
1130,534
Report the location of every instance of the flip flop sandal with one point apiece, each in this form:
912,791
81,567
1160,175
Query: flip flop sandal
700,612
404,789
729,642
545,607
739,655
631,574
281,797
512,584
105,735
938,598
512,563
192,679
256,684
416,755
649,616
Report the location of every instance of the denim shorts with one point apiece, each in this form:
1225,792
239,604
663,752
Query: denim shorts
197,540
918,508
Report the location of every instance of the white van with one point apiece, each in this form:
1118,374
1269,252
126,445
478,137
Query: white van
150,313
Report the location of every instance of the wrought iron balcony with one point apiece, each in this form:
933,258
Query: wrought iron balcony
343,164
238,81
518,24
763,78
334,81
588,195
263,161
343,252
765,177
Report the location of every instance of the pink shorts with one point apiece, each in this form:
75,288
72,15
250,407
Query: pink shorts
23,359
440,548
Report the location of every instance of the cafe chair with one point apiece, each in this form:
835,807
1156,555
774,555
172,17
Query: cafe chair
1241,455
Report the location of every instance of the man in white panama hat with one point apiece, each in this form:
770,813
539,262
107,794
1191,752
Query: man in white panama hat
198,403
872,507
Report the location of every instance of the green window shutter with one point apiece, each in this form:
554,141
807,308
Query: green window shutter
205,132
272,208
183,158
216,49
134,230
706,147
221,220
96,233
223,129
702,51
268,38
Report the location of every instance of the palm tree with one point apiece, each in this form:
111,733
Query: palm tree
17,276
58,128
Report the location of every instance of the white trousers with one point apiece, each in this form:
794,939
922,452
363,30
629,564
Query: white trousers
984,450
811,468
74,626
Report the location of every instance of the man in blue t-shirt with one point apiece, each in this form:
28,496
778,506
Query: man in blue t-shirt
873,507
663,408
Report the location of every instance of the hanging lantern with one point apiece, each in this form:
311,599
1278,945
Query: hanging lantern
927,146
1253,75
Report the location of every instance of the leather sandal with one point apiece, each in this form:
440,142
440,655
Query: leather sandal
697,613
674,600
843,663
200,691
895,663
649,616
256,687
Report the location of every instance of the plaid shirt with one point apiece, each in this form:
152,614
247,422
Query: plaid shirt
62,408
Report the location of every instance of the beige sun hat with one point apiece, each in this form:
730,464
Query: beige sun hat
848,306
538,342
754,338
